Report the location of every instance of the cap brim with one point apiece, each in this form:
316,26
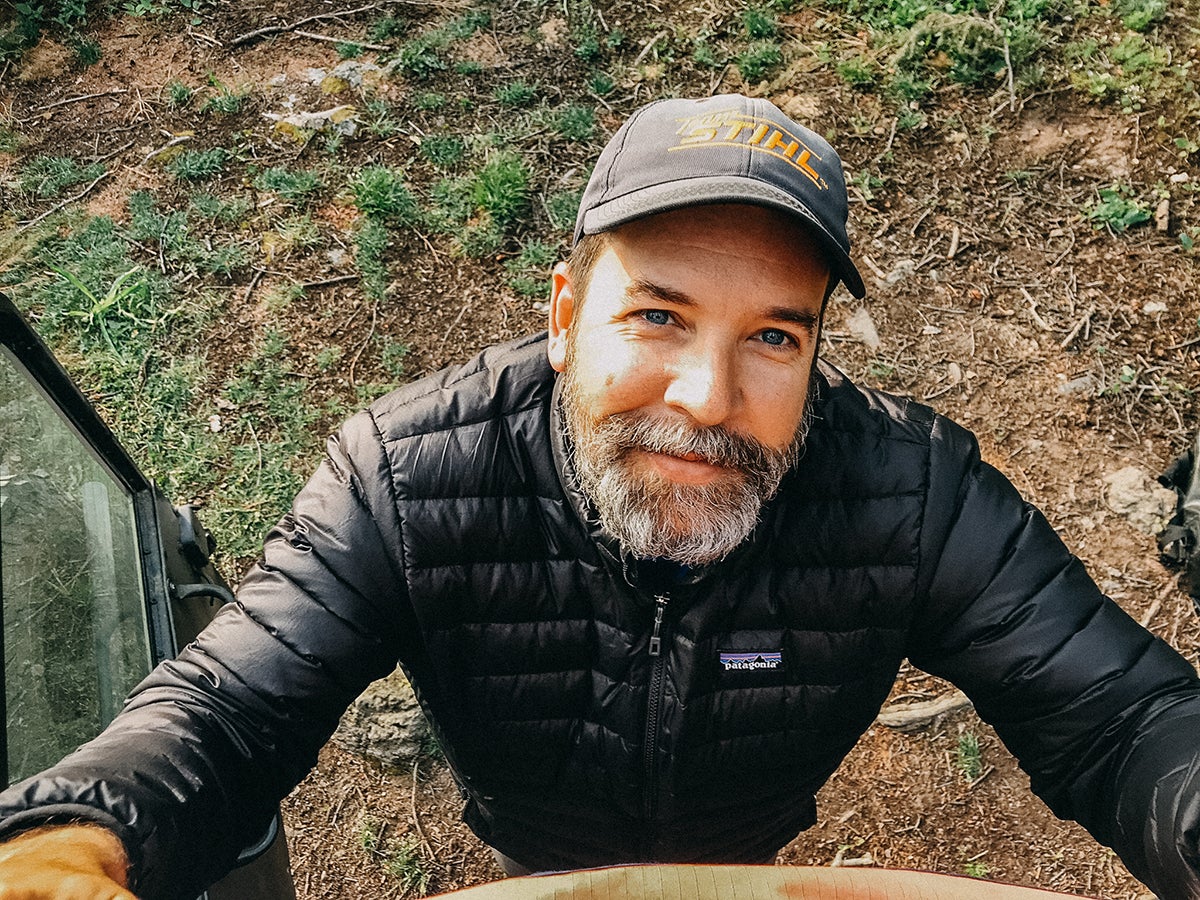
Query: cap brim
660,198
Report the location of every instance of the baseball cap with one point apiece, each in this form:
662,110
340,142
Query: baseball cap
677,153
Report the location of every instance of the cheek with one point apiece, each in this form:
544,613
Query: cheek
618,382
776,414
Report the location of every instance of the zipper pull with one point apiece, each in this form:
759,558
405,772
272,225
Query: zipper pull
660,607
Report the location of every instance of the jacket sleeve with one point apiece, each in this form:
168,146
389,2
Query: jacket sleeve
1102,715
193,767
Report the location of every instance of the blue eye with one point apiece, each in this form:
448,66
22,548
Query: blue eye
657,317
775,337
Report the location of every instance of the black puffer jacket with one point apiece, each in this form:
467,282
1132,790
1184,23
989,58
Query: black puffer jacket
438,533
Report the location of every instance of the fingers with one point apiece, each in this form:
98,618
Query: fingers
70,862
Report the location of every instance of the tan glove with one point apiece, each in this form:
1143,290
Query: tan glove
66,862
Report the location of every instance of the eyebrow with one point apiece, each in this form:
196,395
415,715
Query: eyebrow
641,289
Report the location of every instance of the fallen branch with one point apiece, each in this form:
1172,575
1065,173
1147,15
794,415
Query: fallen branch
982,775
649,46
1079,326
52,210
269,30
417,819
915,716
79,99
325,282
258,274
117,152
840,861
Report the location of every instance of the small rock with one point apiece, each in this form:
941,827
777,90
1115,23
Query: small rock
356,73
954,373
1179,178
214,423
384,723
278,80
1134,494
1162,215
1084,384
300,125
904,269
554,33
930,330
862,329
1154,307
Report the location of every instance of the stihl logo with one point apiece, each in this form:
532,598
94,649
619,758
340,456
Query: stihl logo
733,129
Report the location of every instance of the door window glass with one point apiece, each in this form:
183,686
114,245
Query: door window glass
74,616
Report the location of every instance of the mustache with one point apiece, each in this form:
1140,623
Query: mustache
624,432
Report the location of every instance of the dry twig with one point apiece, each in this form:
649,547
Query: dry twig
59,206
79,99
1079,326
417,818
269,30
325,282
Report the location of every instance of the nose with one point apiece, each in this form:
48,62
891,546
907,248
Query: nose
703,385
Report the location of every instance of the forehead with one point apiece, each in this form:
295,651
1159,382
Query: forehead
731,243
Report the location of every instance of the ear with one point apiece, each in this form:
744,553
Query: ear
562,313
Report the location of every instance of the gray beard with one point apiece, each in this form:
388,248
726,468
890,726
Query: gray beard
652,517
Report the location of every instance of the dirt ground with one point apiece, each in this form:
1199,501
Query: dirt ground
1071,352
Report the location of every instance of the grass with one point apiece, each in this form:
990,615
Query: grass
402,859
408,867
529,270
576,122
179,94
967,758
380,193
380,119
444,151
501,189
198,165
759,60
46,177
226,101
429,101
976,869
295,186
515,93
370,242
387,28
760,23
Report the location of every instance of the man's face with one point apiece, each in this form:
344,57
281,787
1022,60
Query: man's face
686,372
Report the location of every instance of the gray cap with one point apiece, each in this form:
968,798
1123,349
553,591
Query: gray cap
726,149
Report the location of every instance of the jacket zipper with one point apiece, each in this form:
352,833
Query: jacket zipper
654,712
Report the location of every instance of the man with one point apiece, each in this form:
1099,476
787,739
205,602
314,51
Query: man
651,574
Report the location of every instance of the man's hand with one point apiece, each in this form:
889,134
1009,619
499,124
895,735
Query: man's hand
67,862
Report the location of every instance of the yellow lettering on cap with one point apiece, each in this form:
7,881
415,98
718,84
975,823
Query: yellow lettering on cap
803,166
759,133
735,128
776,140
698,135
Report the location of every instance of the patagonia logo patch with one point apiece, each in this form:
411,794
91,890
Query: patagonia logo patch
755,659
